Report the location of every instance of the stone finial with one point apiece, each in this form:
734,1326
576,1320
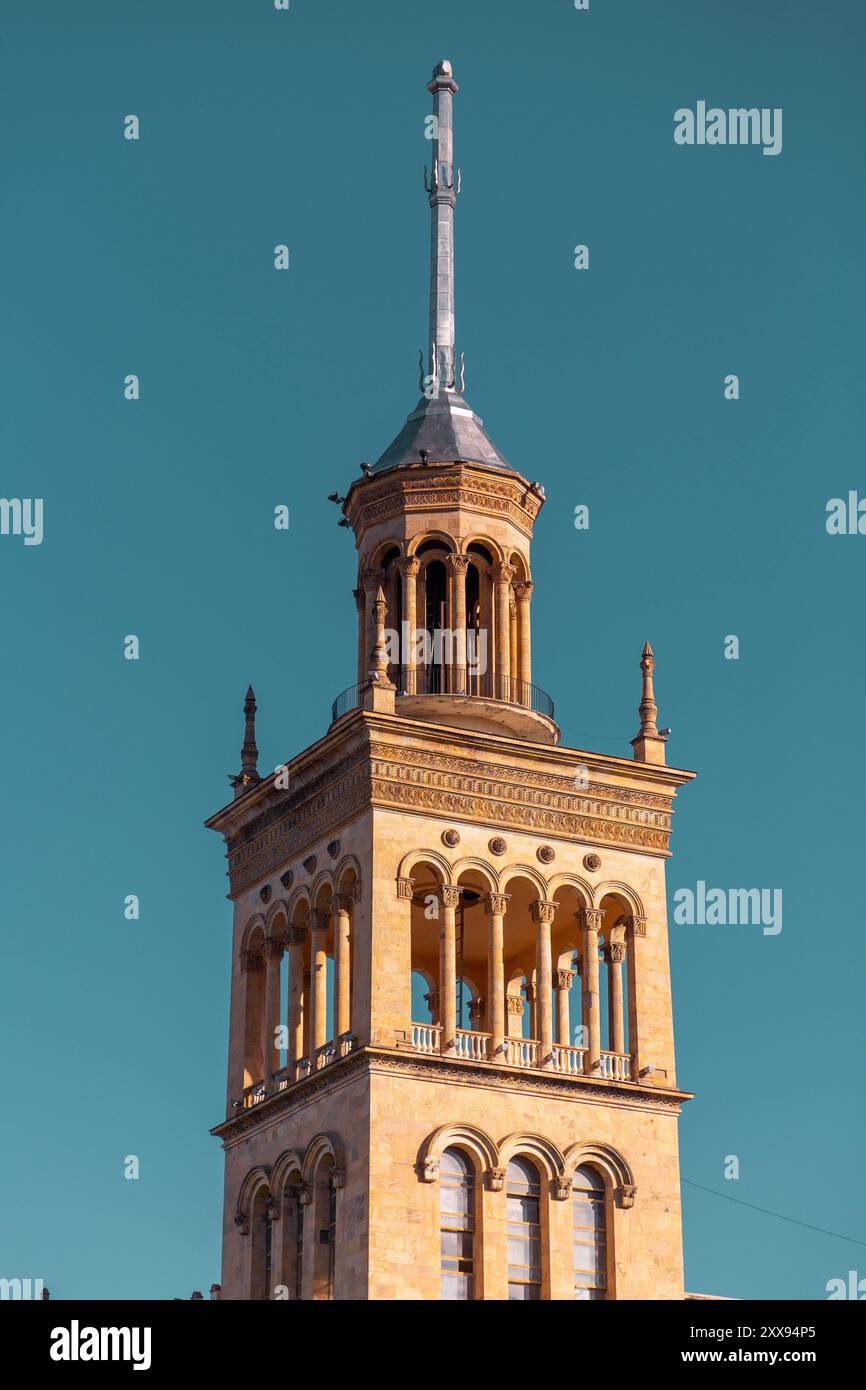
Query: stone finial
442,187
249,773
648,744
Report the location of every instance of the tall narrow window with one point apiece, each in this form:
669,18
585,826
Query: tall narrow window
294,1247
590,1239
457,1225
523,1196
261,1236
332,1233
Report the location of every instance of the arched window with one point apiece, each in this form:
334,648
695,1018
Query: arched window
590,1238
523,1196
293,1235
325,1231
261,1232
457,1225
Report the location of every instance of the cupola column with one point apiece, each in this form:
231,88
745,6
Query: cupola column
524,639
459,566
409,567
502,577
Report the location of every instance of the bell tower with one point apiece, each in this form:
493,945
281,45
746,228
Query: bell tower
451,1062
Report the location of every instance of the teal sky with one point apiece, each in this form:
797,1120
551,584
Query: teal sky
707,518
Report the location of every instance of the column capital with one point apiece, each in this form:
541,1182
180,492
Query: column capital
432,1001
503,573
562,979
317,920
544,911
476,1008
636,926
459,563
495,904
514,1004
405,887
524,591
449,894
409,565
616,952
530,991
340,902
273,949
592,918
296,936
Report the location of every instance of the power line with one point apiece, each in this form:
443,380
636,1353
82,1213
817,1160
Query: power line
778,1215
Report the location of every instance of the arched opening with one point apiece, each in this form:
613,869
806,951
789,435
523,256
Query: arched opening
435,622
589,1226
457,1225
523,1199
324,1230
252,967
293,1237
261,1235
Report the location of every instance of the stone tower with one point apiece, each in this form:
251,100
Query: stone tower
451,1058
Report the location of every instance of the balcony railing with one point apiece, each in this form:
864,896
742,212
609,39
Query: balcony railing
297,1071
521,1052
449,680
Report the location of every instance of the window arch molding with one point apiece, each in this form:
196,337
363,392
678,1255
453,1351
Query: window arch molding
324,1146
289,1163
255,924
439,539
478,1146
614,1169
424,856
485,871
538,1150
251,1188
276,911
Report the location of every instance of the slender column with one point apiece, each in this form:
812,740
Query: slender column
459,566
495,905
271,1018
318,922
532,1001
524,639
615,956
502,577
251,966
544,913
307,1016
295,1002
592,920
449,897
340,907
636,938
409,567
562,980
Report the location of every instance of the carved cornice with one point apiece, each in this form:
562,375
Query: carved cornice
406,491
435,1068
512,797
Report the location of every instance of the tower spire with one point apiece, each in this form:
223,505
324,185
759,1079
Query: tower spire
249,773
648,744
442,188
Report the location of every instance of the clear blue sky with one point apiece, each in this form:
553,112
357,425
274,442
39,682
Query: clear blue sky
260,388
